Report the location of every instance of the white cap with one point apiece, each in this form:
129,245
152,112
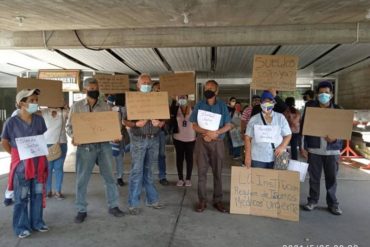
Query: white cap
26,93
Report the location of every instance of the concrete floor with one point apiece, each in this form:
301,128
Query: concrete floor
178,225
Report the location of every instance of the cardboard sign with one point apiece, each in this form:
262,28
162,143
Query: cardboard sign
178,83
113,84
31,147
265,192
267,133
278,72
51,94
69,78
93,127
322,122
208,120
147,105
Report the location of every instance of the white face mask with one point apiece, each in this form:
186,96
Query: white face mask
183,102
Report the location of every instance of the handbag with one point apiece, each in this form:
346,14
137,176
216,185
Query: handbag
55,151
280,162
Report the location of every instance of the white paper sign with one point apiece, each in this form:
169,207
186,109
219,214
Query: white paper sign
300,167
31,146
209,120
267,133
236,139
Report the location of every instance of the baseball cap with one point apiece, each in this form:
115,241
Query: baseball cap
267,95
26,93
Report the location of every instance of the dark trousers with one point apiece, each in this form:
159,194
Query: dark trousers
293,146
184,150
330,165
209,154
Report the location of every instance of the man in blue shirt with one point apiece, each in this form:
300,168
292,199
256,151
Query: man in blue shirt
209,146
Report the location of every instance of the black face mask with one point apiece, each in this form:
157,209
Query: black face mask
209,94
93,94
304,98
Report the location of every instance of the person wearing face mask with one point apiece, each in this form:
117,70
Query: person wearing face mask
27,178
234,110
89,154
144,154
156,87
183,138
322,154
209,146
261,154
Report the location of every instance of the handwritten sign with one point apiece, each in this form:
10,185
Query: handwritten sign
51,93
235,137
113,84
278,72
93,127
209,120
298,166
265,192
267,133
70,78
147,105
178,83
31,146
322,122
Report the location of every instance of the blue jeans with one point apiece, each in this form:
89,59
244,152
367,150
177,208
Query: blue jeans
27,191
234,151
260,164
162,155
56,166
144,154
118,151
86,157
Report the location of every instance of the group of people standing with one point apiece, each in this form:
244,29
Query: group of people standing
146,139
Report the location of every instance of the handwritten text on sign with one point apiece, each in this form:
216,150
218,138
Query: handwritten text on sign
278,72
209,120
147,105
267,133
31,146
265,192
113,84
93,127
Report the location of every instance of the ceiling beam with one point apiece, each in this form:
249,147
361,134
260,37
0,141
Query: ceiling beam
191,36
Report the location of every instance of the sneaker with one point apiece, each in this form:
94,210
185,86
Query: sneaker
42,229
236,158
116,212
24,234
188,183
310,206
335,210
134,210
81,216
49,194
164,182
120,182
155,205
59,196
8,202
180,183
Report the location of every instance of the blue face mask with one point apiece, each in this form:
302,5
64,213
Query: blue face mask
324,98
145,88
32,108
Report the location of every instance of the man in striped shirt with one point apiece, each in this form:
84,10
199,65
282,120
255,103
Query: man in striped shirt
247,114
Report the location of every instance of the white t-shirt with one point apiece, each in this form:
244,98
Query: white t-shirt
55,125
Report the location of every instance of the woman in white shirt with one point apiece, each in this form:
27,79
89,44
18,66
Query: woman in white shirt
55,119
